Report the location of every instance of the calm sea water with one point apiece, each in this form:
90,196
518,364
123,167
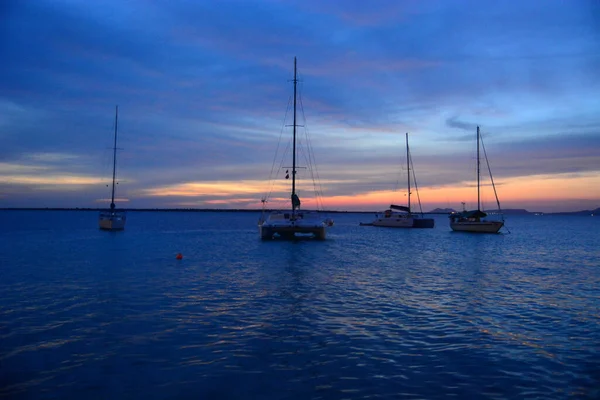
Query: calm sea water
369,313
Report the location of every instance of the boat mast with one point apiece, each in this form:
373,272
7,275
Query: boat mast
408,170
112,198
478,172
294,144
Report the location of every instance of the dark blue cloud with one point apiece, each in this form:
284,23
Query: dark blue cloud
203,86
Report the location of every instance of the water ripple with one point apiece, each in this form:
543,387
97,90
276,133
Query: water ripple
367,314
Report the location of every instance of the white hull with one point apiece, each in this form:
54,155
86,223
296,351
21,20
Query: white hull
391,219
393,222
112,221
268,231
477,226
411,222
285,225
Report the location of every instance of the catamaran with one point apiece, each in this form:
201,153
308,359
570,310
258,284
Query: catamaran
472,221
113,219
293,222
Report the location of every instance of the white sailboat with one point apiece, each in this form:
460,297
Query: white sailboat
402,216
295,222
113,219
473,221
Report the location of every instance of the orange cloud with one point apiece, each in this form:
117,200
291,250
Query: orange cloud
197,189
527,189
248,193
44,176
226,189
54,180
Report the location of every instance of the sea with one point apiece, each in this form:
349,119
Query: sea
369,313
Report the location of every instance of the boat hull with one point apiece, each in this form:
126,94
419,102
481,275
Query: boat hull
401,221
268,231
112,221
288,226
393,222
477,227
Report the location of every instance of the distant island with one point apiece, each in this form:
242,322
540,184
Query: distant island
595,211
522,211
442,211
508,211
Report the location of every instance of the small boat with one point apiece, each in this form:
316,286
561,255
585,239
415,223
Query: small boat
294,222
473,221
402,216
113,219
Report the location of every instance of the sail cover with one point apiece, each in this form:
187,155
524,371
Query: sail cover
401,208
295,200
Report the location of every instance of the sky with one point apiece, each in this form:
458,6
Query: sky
203,89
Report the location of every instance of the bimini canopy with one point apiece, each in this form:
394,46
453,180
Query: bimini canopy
469,214
401,208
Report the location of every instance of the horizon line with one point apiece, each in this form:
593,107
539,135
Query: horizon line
162,209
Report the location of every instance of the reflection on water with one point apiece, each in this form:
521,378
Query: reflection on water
367,313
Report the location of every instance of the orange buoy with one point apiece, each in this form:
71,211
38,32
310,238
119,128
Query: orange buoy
179,256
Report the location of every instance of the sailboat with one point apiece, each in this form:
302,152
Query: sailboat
293,222
402,216
113,219
472,221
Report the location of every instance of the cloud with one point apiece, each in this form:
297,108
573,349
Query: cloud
51,180
453,122
203,90
52,157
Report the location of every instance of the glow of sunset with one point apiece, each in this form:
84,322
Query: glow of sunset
53,180
510,191
43,175
226,189
195,189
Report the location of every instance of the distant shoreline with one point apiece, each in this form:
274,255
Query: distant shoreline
434,212
187,210
158,209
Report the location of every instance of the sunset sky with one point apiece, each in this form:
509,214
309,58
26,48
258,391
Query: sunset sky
203,88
